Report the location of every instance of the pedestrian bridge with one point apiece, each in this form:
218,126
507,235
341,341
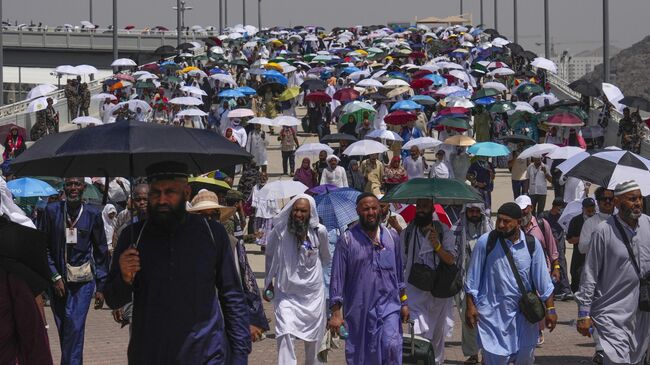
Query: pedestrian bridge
50,48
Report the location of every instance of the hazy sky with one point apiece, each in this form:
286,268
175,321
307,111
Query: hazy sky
575,24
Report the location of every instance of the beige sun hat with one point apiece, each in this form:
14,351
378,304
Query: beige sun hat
206,200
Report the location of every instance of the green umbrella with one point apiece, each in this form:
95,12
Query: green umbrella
501,107
358,116
529,89
577,111
92,194
458,123
483,93
239,62
442,191
145,85
479,68
308,57
518,116
175,79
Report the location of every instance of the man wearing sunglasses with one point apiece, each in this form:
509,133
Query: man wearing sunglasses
605,202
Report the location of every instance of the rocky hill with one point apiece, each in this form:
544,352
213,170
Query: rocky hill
629,70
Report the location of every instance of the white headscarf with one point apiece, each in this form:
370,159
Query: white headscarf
10,209
109,224
282,219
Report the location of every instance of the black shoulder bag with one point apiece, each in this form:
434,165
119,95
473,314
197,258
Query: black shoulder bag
421,275
530,303
644,282
449,278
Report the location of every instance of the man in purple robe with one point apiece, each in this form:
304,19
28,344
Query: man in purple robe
372,307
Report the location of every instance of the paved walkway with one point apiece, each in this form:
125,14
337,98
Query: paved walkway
106,343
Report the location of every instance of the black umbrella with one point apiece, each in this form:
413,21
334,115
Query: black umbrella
165,50
518,139
126,149
492,32
239,62
636,102
515,48
529,55
185,46
210,42
336,137
313,84
559,104
274,87
585,87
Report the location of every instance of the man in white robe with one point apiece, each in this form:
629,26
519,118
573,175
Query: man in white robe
256,145
297,250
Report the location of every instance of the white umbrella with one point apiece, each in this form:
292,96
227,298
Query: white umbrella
218,50
369,83
446,90
192,113
422,143
103,96
224,78
571,210
262,121
395,83
66,70
564,153
458,102
281,189
537,150
614,95
501,72
358,74
85,70
365,147
149,76
384,134
522,106
40,90
541,99
235,35
461,75
449,65
88,24
86,121
186,100
124,62
240,113
313,149
287,121
38,104
544,63
500,42
495,85
194,90
134,105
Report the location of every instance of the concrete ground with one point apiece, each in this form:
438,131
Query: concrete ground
106,343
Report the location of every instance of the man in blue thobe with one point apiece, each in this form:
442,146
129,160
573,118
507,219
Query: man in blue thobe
367,280
492,294
188,303
75,236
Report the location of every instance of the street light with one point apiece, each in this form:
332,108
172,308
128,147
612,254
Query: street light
115,50
461,8
259,14
514,3
496,16
482,14
180,17
220,16
547,44
605,40
90,18
243,2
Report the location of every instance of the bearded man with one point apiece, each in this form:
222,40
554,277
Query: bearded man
188,303
297,249
367,289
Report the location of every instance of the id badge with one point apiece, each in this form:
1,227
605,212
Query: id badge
71,236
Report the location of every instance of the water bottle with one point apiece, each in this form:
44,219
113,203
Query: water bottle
269,294
343,332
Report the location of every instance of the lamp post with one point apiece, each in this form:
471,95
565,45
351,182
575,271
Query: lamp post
605,40
482,14
180,18
90,18
514,5
115,50
259,14
547,43
220,16
461,8
225,13
496,16
243,2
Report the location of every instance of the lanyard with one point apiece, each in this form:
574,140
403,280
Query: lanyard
71,223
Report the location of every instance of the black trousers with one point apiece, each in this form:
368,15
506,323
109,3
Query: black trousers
290,157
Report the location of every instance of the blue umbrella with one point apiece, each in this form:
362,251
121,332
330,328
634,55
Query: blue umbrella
350,69
246,90
337,209
488,100
275,76
322,189
398,75
230,93
406,105
461,94
437,79
217,70
28,187
488,149
423,100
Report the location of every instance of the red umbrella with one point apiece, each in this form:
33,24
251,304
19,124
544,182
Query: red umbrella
6,128
151,67
421,83
318,97
161,28
453,110
417,54
565,119
347,94
124,77
129,27
450,79
421,73
400,117
408,213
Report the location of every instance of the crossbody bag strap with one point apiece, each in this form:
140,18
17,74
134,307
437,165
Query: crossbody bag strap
513,266
626,241
137,242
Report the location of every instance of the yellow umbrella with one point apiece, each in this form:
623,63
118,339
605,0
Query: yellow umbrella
209,181
276,42
273,66
460,140
188,69
398,91
289,93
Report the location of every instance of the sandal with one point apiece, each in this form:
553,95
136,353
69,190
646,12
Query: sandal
472,360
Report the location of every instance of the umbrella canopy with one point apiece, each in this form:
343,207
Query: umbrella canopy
127,149
565,119
262,121
318,97
519,139
442,191
456,123
495,85
322,189
86,121
423,100
287,121
585,87
460,140
337,208
246,90
38,104
537,150
347,94
281,189
400,117
192,113
422,143
384,134
103,96
208,183
406,105
369,83
240,113
609,168
502,107
489,149
564,153
336,137
230,93
364,148
313,84
483,93
186,100
289,93
310,149
636,102
528,88
543,63
124,62
29,187
40,90
165,50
